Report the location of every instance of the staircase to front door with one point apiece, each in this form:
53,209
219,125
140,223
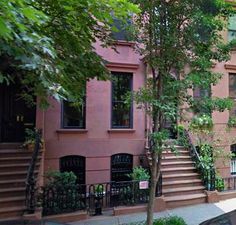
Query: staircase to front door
182,184
14,164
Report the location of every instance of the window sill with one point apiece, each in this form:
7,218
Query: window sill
71,131
121,130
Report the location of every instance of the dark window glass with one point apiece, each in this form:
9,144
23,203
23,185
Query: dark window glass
232,92
122,33
121,112
73,116
75,164
199,95
232,28
121,166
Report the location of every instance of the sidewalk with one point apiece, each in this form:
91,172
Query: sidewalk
193,215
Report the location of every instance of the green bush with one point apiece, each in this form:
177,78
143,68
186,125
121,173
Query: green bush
173,220
139,174
60,180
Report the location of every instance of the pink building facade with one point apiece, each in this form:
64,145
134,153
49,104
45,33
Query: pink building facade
98,140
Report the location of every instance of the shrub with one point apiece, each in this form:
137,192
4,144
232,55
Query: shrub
173,220
60,180
139,174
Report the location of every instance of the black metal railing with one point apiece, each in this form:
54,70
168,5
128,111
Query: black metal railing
227,184
159,186
94,197
208,174
30,195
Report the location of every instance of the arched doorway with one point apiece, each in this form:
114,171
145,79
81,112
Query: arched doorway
121,166
75,164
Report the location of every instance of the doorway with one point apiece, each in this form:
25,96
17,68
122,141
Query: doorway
15,114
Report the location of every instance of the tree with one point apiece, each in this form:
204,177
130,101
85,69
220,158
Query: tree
48,44
180,41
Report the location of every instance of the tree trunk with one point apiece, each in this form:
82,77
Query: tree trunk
152,193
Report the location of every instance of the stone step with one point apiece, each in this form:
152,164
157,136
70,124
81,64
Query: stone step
167,158
11,212
12,192
9,146
184,200
177,164
18,159
15,167
178,170
182,183
14,175
12,183
6,153
180,177
12,201
183,191
177,153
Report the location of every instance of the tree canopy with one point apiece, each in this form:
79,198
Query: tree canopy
48,44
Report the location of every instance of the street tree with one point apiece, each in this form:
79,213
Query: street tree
180,41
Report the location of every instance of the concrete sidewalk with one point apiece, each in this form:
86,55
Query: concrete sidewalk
193,215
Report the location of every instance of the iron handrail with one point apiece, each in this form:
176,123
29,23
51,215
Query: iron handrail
30,197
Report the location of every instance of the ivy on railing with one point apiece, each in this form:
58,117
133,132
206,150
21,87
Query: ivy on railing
30,194
207,173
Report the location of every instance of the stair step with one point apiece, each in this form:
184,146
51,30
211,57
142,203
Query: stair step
182,176
184,158
16,160
183,191
12,192
178,170
14,175
15,167
9,212
177,153
183,200
10,146
12,183
181,183
12,201
177,164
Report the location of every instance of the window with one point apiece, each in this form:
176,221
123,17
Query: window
233,159
122,33
121,166
199,95
75,164
232,92
121,112
232,28
73,116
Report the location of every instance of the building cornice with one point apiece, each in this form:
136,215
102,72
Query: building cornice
230,66
116,65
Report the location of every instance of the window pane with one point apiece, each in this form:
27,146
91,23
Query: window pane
232,112
231,35
122,32
121,115
232,85
232,28
73,116
121,112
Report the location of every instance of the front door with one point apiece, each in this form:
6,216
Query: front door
15,114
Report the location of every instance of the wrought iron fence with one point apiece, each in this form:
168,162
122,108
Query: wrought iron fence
229,184
56,200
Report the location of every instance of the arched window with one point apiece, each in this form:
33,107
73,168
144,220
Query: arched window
121,166
76,164
233,159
